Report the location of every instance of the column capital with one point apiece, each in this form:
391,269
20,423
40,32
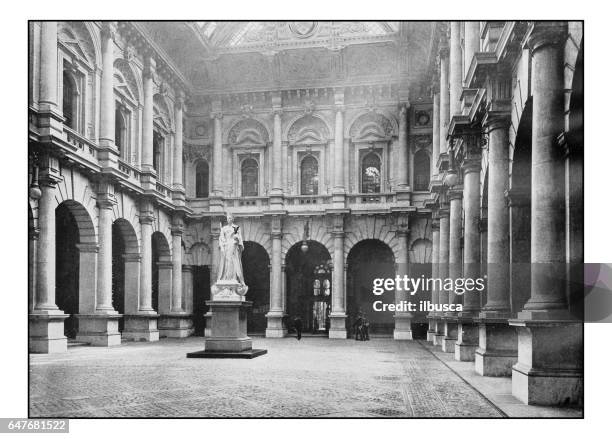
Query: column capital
496,121
106,201
456,193
109,30
470,165
403,109
132,257
340,108
549,33
187,269
177,230
216,115
435,224
146,218
149,67
277,111
87,247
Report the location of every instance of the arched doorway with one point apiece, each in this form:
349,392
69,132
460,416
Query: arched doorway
75,252
309,280
256,267
368,260
125,244
161,269
200,260
67,267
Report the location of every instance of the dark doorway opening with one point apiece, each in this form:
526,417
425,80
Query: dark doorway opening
368,260
256,267
67,267
309,285
201,293
118,276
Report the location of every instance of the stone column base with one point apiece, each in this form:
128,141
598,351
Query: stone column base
337,325
550,363
438,339
439,331
450,334
175,325
46,333
403,327
467,341
208,324
140,327
431,329
497,348
99,329
275,328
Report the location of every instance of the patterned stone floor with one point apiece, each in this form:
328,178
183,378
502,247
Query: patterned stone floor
315,377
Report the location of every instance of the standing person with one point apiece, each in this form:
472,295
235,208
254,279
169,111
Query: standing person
297,324
358,327
366,328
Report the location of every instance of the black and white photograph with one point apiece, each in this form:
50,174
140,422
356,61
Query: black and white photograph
304,219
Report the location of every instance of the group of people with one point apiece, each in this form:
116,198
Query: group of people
361,327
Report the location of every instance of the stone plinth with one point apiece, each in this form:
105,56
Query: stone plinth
467,340
275,327
47,333
550,363
431,329
450,334
497,347
175,325
403,327
99,329
140,327
337,325
228,336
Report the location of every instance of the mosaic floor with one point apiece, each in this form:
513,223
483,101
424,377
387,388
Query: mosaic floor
314,377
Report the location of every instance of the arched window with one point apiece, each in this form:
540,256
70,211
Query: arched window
69,100
370,174
421,171
250,174
309,173
158,143
120,131
202,179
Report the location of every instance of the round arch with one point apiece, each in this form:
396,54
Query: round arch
256,268
309,276
316,115
367,260
260,132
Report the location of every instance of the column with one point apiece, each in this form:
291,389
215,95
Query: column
277,172
147,115
107,98
471,38
454,267
442,270
102,327
435,274
275,315
467,339
550,365
337,317
497,341
48,65
142,326
402,156
455,67
217,165
444,100
46,322
339,150
403,320
214,265
436,135
177,270
177,161
177,323
188,304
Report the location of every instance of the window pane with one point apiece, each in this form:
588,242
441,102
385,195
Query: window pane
202,180
310,176
119,129
370,174
68,100
421,171
157,151
249,178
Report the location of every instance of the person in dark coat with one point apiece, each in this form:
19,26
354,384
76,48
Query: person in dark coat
297,324
358,327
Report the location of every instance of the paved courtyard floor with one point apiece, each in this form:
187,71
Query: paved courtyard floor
315,377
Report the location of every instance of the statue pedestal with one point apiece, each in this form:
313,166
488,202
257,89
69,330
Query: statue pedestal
229,325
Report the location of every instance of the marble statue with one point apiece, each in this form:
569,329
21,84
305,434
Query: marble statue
230,277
